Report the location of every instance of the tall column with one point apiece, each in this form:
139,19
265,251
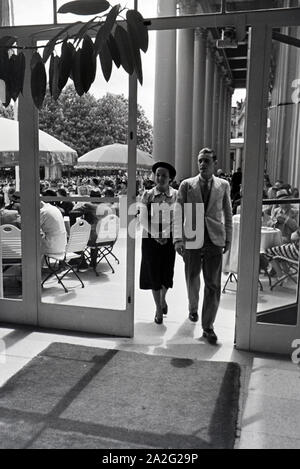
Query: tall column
5,15
238,158
216,105
209,88
165,89
225,116
184,103
199,96
227,143
220,125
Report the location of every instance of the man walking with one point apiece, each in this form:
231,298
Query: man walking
213,194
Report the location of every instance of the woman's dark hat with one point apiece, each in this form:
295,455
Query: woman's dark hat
168,166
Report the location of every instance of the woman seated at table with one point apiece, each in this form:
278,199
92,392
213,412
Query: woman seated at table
288,251
285,217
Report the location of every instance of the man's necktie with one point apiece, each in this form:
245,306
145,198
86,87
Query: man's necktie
205,193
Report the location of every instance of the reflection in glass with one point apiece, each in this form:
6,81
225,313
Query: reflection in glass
10,235
279,258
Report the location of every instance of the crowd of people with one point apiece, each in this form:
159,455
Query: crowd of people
220,196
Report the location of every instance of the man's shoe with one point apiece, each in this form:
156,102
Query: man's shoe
193,317
210,335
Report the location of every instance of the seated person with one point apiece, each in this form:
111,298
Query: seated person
65,206
290,251
96,187
8,217
285,217
93,213
53,231
14,200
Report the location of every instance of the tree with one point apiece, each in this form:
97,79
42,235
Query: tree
113,113
85,123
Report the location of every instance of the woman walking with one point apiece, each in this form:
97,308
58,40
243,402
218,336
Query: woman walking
158,253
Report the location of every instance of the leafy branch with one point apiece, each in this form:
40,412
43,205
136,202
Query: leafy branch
113,44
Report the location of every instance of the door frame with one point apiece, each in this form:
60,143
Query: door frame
261,23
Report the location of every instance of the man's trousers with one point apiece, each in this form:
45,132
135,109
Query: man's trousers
209,260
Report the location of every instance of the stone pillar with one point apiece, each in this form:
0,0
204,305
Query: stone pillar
184,103
5,15
228,121
238,158
47,172
199,96
220,125
165,89
209,88
225,116
216,105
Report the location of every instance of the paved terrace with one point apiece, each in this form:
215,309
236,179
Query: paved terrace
270,400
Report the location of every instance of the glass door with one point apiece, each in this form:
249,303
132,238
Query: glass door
48,286
270,208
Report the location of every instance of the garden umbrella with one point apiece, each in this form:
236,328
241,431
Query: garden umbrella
113,157
51,150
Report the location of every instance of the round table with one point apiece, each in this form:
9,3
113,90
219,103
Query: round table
269,237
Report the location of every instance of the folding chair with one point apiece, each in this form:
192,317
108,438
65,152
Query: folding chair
107,235
11,247
77,243
289,268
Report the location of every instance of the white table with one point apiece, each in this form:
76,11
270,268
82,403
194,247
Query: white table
269,237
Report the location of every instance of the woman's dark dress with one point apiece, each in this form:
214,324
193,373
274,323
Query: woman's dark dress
157,266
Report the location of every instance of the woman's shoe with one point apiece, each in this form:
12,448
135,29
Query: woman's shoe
165,310
158,318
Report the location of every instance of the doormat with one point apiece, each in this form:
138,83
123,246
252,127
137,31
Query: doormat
72,396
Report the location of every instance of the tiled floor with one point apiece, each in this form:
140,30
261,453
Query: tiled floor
270,399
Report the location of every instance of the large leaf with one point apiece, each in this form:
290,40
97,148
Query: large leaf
38,80
4,64
55,89
85,7
49,47
65,63
7,41
105,30
76,73
122,41
16,72
106,61
20,72
136,55
87,63
83,30
114,51
139,30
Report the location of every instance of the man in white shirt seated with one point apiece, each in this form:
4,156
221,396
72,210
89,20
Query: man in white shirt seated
54,235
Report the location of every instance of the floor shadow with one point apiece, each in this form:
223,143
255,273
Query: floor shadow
59,424
14,337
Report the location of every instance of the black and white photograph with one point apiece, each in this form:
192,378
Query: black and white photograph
149,227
